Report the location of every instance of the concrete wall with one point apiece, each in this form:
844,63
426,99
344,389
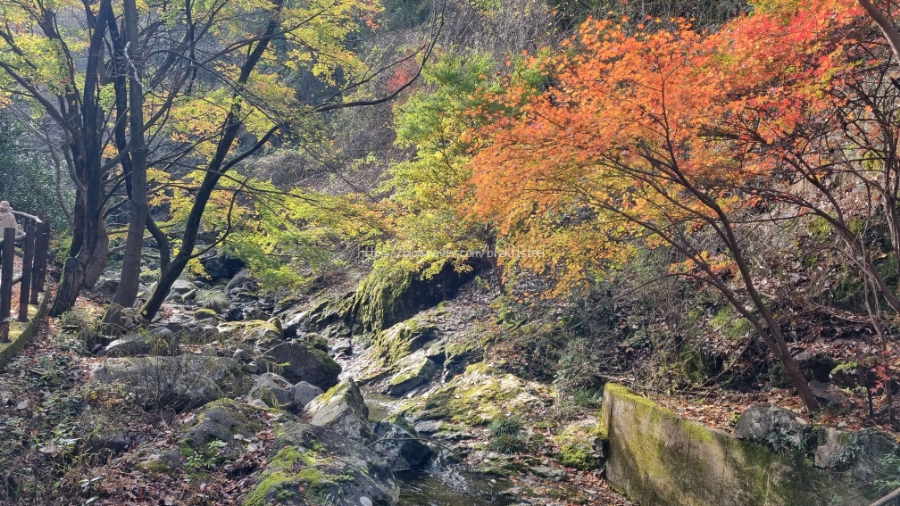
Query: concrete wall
21,332
658,458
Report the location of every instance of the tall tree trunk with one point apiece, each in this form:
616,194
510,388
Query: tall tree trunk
136,174
93,243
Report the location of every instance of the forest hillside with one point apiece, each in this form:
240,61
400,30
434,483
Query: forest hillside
450,252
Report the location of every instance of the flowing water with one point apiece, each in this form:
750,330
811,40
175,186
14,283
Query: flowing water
451,486
439,485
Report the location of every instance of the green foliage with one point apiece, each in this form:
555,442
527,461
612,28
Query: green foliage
212,299
506,435
85,324
25,181
429,190
285,238
892,481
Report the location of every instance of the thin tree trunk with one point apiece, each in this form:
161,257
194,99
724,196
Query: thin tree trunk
137,175
215,170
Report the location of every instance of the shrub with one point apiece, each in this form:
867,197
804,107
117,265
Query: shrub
212,299
506,435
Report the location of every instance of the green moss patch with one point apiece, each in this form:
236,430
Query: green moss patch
481,395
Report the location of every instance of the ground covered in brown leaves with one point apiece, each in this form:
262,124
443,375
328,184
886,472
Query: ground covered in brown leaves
61,440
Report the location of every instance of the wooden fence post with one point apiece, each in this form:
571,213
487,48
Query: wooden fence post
6,275
39,253
27,262
39,272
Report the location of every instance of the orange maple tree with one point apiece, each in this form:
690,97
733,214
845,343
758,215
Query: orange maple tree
670,138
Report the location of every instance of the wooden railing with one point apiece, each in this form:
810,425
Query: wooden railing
33,246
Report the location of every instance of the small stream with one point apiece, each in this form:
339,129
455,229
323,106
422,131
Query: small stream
451,486
439,485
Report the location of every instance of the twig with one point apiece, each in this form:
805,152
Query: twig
888,499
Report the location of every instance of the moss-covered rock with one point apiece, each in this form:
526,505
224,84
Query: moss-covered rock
576,445
273,390
415,370
342,409
314,465
299,361
398,444
391,346
480,395
180,383
205,314
391,293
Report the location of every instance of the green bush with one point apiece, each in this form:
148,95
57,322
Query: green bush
506,435
86,324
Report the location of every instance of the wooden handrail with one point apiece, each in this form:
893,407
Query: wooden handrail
31,217
35,242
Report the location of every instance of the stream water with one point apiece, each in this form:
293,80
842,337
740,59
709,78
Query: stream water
439,485
451,486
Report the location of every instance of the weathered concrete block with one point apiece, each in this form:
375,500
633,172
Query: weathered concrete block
658,458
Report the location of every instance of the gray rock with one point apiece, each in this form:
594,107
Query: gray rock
777,426
428,426
242,356
415,370
219,265
159,341
827,394
182,286
272,389
346,472
342,347
179,383
222,421
298,361
304,393
107,286
251,367
179,323
397,447
238,281
343,410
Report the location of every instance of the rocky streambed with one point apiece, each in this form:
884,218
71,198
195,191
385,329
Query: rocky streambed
345,414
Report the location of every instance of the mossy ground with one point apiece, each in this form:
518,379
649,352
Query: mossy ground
481,395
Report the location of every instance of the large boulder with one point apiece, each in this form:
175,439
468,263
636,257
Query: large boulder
107,286
221,420
314,465
273,390
298,361
180,383
398,444
415,370
218,265
343,410
398,342
867,455
778,427
178,322
158,341
304,393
